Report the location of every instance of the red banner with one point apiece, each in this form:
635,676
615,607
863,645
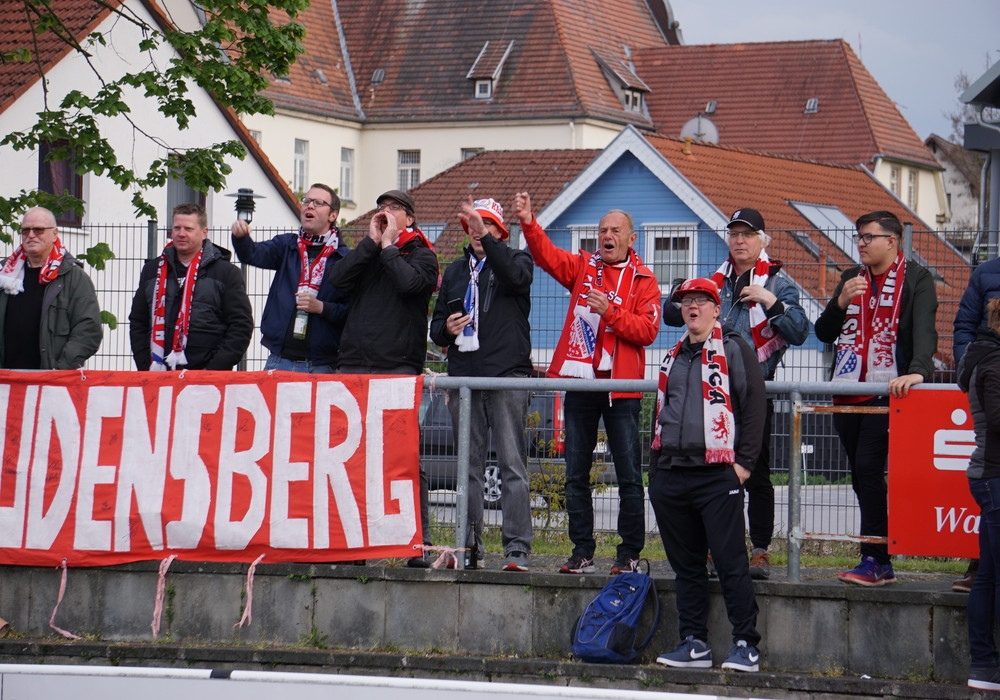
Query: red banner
111,467
931,512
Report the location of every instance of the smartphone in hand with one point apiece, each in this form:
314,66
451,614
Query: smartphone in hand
456,306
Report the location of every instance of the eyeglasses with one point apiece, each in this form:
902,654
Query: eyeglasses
743,234
36,230
306,201
867,238
391,206
695,301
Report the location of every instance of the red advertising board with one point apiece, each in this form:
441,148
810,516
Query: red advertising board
111,467
931,512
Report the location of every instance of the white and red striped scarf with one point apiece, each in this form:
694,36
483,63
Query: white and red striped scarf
591,344
12,274
766,341
311,276
719,425
183,320
880,314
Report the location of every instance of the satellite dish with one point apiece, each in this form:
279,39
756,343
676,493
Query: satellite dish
701,129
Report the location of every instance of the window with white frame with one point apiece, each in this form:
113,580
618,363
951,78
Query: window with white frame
632,100
409,169
300,166
912,177
583,238
670,250
471,152
256,135
347,174
484,89
894,180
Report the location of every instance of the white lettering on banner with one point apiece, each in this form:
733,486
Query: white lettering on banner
289,398
56,414
952,448
186,464
102,402
952,518
386,395
229,533
330,466
12,516
143,468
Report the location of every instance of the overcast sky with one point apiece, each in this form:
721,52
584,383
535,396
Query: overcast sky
914,48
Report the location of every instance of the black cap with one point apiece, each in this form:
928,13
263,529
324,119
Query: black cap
400,196
750,217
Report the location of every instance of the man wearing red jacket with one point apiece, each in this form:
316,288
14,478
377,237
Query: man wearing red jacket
614,314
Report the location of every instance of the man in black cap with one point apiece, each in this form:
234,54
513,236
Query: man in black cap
390,276
764,309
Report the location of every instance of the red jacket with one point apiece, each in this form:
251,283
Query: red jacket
635,323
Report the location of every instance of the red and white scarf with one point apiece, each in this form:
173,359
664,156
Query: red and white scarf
311,276
409,234
12,274
591,342
878,315
718,422
183,321
766,340
468,339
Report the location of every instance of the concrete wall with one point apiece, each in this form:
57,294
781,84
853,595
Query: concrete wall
826,629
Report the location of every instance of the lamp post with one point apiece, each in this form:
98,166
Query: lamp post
244,203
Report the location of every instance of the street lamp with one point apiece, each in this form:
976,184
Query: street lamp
245,204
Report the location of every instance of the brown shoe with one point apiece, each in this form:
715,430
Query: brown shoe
760,565
964,584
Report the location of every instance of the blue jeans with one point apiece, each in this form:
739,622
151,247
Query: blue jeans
306,366
982,605
505,413
583,412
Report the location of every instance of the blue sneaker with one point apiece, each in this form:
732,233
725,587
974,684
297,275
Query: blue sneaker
692,653
984,678
869,573
742,657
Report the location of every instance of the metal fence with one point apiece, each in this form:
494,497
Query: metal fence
832,510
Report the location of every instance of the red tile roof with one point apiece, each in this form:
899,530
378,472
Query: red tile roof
732,178
496,174
16,77
427,49
761,91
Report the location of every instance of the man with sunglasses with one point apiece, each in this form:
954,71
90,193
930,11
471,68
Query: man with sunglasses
49,313
303,318
763,307
882,320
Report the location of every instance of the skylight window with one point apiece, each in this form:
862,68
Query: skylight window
812,105
710,107
833,224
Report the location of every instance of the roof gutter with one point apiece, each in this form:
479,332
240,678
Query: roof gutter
905,161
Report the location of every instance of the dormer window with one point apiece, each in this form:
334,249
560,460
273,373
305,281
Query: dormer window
632,100
628,87
486,70
812,105
484,89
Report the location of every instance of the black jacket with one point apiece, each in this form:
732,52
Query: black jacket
979,376
504,304
390,292
221,317
682,434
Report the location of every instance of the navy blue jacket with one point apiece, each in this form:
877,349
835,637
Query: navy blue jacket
984,284
281,254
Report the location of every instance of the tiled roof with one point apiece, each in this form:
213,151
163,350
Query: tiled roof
78,18
761,91
732,178
427,49
496,174
319,81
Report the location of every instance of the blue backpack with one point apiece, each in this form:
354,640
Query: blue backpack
606,632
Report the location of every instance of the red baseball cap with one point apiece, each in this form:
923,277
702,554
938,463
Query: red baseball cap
698,285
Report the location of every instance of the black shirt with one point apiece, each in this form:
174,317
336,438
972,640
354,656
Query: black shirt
23,324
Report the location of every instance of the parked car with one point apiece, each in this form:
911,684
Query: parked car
545,436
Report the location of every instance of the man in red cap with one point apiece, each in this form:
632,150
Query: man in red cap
710,417
481,317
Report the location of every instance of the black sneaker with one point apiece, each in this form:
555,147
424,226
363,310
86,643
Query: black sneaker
624,563
984,678
578,565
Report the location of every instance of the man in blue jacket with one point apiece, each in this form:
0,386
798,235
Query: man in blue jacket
303,318
764,309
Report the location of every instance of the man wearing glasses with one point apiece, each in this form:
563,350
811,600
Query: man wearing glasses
49,313
763,307
303,318
390,277
881,318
